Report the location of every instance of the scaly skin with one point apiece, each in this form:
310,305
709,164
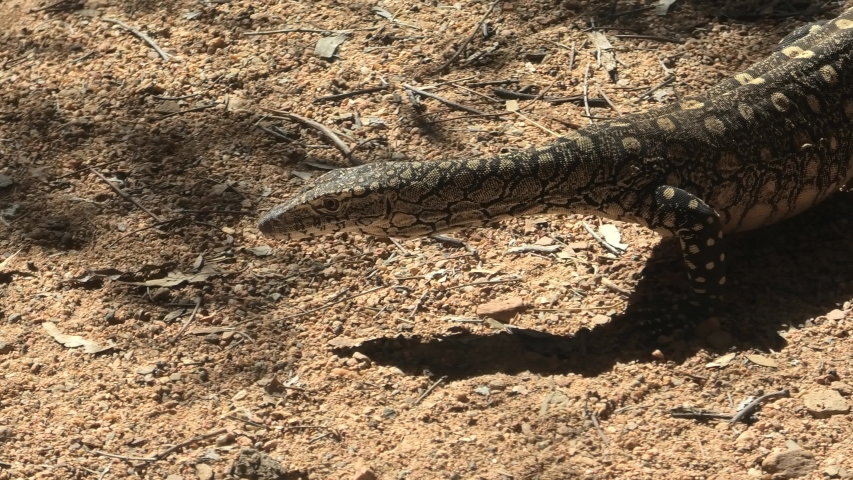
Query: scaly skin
761,147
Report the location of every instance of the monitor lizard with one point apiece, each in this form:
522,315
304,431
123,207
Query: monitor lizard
760,147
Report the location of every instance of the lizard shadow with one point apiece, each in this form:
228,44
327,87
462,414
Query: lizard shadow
783,276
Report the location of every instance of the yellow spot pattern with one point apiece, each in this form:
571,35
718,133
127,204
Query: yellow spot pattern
780,101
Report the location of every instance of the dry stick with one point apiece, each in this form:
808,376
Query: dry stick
87,168
607,99
418,304
666,81
199,438
194,109
493,82
139,34
654,38
487,282
183,97
542,93
158,224
125,196
188,322
332,136
534,122
586,93
572,57
124,457
443,100
429,390
603,242
578,99
747,410
470,37
306,312
308,30
464,117
341,96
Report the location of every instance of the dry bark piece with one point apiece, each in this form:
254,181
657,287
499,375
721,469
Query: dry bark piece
500,307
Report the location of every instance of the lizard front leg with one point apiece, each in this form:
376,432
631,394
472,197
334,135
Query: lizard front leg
699,230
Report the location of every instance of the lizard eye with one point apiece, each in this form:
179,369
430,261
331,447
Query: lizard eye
331,204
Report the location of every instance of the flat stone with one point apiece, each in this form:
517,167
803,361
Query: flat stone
500,307
5,347
835,315
825,403
204,471
790,464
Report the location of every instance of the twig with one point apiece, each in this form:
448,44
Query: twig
629,407
666,81
586,92
182,112
188,322
610,248
341,96
535,248
306,312
199,438
470,37
576,99
158,224
653,38
332,136
607,99
183,97
572,57
87,168
464,117
492,82
83,57
604,439
139,34
429,390
749,409
418,304
486,282
125,196
534,122
443,100
124,457
542,93
308,30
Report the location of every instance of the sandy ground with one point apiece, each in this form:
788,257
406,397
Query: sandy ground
156,334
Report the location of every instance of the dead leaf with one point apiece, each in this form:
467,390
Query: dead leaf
662,7
327,46
612,236
261,251
74,341
383,13
761,360
721,362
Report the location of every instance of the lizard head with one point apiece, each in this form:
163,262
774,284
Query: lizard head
358,199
